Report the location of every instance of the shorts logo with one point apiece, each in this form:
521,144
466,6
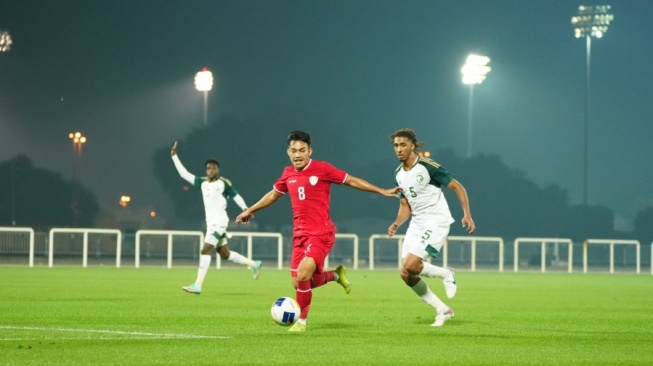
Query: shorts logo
308,248
312,180
420,178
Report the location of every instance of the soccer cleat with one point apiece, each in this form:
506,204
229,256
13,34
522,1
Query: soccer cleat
449,282
193,289
441,318
342,278
256,270
298,328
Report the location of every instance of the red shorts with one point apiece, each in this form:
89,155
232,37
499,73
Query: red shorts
317,247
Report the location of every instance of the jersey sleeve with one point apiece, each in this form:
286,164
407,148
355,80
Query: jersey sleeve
333,174
183,173
229,190
439,176
280,185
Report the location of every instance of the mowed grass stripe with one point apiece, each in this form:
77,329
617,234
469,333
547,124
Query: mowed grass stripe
501,318
50,331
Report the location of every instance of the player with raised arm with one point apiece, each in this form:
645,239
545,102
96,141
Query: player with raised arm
215,191
308,183
421,181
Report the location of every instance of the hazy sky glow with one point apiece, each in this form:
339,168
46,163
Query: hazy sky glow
122,73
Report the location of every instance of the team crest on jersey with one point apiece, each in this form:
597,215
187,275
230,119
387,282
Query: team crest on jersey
420,178
312,180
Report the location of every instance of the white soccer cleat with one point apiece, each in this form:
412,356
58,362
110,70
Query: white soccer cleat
450,285
256,270
441,318
193,289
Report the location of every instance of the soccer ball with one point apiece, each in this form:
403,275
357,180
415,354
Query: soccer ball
285,311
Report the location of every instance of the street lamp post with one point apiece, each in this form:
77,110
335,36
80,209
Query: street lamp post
591,21
78,141
204,83
474,72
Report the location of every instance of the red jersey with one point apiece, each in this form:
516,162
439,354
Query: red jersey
310,193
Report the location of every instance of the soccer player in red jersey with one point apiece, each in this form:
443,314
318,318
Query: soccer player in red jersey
308,182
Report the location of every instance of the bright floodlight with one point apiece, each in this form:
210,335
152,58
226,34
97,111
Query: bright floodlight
592,21
475,69
204,80
5,41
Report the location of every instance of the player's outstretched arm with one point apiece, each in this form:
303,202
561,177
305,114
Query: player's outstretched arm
185,174
402,216
364,185
460,191
173,151
265,201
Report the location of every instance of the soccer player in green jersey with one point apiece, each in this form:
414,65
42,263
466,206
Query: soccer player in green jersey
421,181
215,191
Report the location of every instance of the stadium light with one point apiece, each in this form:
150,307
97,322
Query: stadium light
124,200
78,141
474,72
204,83
5,41
592,21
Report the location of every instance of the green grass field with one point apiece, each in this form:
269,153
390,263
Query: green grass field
66,315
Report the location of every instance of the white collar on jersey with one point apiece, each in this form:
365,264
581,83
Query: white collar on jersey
307,165
412,166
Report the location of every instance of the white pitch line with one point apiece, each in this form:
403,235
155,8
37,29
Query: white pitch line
119,332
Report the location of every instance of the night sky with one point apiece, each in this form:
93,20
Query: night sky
121,72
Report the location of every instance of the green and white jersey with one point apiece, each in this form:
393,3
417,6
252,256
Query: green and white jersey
421,186
215,194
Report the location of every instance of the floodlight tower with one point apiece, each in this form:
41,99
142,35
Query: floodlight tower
591,21
78,141
204,83
474,72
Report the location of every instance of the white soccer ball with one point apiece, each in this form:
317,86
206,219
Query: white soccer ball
285,311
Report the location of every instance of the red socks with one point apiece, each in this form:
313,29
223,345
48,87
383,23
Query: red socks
304,296
320,279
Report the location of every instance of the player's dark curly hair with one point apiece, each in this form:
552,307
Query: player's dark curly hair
298,135
211,161
409,134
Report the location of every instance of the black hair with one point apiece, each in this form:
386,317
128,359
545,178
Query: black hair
211,161
298,135
409,134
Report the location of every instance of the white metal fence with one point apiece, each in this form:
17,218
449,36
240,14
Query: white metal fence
543,245
90,246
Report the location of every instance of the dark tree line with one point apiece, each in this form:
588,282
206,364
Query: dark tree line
35,197
504,201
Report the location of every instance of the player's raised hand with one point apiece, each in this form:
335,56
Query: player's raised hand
173,151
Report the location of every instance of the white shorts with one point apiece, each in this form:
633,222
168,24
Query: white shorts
216,235
424,242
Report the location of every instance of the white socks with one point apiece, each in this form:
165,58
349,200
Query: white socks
205,262
431,270
239,259
424,292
